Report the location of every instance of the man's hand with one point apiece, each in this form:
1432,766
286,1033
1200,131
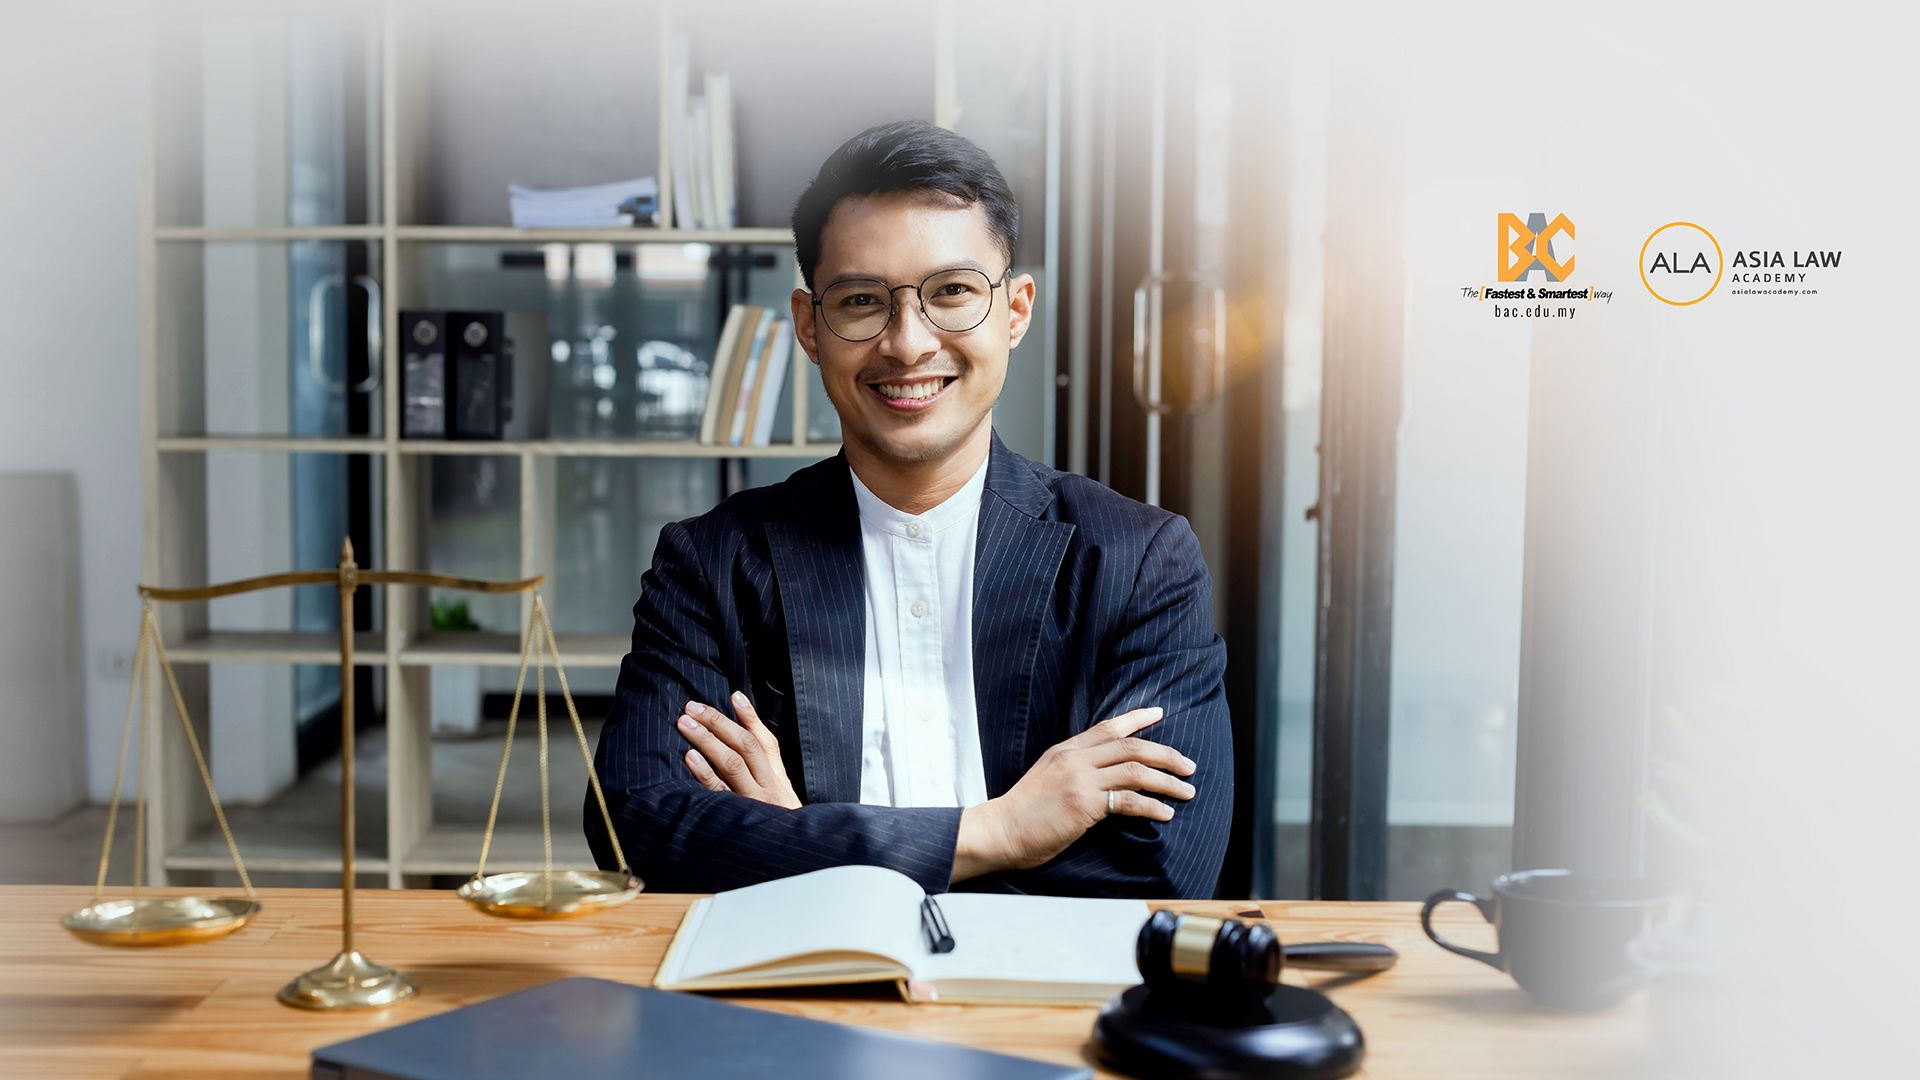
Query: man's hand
743,758
1075,784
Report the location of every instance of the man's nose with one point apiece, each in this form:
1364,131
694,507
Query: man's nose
909,337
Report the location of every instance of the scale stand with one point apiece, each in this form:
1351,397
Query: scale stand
349,980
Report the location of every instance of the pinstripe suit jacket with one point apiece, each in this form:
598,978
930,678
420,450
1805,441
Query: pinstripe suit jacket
1086,604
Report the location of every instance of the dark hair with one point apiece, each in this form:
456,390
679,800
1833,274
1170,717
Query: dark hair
907,155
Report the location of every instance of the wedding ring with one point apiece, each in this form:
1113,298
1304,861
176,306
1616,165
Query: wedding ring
1109,801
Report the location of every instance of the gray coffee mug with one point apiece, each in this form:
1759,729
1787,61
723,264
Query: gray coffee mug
1563,936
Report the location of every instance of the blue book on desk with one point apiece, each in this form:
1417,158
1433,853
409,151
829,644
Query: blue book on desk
593,1028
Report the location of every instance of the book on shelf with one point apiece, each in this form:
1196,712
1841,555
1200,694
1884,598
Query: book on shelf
718,370
701,145
749,380
773,376
678,149
700,161
747,377
728,389
856,924
720,139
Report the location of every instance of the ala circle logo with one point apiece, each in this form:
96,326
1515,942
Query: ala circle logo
1681,263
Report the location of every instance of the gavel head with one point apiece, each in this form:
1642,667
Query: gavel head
1226,957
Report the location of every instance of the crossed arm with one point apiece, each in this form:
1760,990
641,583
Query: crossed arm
730,817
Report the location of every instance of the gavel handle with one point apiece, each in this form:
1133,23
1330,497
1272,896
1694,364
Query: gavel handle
1358,956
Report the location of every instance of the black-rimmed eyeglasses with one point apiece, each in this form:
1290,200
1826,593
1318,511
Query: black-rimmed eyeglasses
860,309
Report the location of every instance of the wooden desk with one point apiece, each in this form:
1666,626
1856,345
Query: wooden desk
70,1009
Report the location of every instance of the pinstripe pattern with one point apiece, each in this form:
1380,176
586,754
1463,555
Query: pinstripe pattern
1086,604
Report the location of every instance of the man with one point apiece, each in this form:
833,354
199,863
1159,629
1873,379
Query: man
927,653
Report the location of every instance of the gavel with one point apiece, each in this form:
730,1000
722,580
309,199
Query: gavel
1211,1004
1231,957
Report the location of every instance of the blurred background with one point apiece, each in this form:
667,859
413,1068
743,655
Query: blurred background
1608,590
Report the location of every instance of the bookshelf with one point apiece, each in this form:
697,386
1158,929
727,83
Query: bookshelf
407,108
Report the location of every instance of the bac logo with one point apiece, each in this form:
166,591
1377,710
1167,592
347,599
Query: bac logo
1526,247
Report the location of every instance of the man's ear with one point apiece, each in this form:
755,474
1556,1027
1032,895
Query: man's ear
1020,308
803,328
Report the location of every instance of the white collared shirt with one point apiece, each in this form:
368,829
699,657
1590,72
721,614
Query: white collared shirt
919,733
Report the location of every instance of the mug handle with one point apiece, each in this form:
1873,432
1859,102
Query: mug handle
1492,960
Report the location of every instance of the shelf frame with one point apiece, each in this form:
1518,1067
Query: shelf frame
467,234
174,444
632,234
264,234
500,649
610,448
267,444
276,647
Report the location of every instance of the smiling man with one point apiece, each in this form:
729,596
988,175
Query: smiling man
927,652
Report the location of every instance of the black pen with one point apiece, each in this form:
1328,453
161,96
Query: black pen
934,923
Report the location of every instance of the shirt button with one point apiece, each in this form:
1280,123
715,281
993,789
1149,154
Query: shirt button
914,529
919,608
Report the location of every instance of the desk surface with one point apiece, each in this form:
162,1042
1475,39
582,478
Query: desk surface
70,1009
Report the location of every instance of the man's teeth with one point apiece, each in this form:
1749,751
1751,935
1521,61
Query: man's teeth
910,391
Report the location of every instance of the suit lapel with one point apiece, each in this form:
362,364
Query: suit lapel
818,561
1016,558
820,565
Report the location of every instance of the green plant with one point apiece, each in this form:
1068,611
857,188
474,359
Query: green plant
452,615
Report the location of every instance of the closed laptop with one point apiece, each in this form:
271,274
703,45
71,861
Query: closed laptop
592,1027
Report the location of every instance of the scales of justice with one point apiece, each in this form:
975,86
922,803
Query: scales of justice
350,980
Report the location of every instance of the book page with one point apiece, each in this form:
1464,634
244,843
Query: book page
842,909
1036,939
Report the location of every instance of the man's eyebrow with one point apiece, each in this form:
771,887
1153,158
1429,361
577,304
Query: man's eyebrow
862,275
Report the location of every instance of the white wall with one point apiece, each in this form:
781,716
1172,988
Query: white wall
40,773
70,102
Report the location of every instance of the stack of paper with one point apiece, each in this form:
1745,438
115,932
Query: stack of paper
595,206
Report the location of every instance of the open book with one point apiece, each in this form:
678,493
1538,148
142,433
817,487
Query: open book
850,924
